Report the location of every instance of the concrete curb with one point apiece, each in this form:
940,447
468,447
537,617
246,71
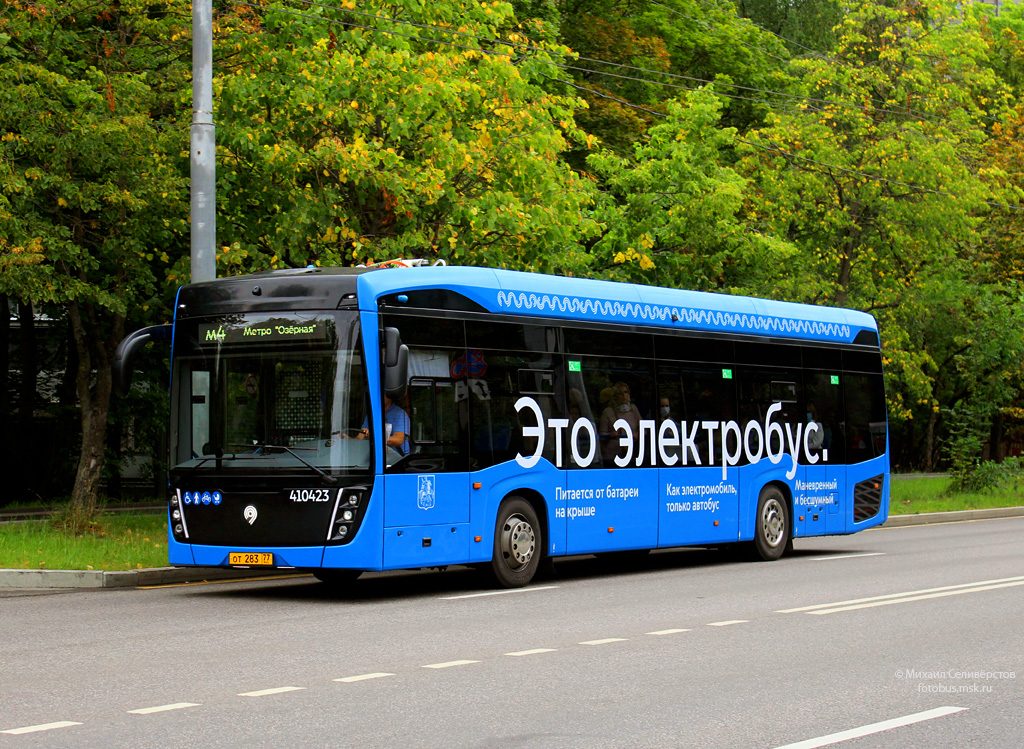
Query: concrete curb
46,579
43,579
930,518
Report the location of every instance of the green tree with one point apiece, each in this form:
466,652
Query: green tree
91,189
877,175
342,144
671,213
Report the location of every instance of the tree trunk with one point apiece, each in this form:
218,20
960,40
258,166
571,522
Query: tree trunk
27,398
95,344
5,399
929,454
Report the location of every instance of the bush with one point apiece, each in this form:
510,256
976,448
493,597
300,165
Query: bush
984,477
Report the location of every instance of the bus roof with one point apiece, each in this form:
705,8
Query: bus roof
558,297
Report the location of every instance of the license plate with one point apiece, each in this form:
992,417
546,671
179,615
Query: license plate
251,558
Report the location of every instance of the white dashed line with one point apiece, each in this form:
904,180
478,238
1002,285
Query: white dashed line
450,664
727,623
535,651
41,727
163,708
604,641
363,677
265,692
661,632
498,593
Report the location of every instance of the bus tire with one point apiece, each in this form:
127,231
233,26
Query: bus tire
337,577
518,543
772,527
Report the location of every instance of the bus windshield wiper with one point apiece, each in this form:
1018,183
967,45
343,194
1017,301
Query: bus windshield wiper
222,456
324,476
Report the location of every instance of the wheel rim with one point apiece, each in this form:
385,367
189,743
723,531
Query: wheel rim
773,522
518,542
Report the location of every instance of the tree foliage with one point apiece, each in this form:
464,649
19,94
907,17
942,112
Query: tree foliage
342,145
90,186
866,155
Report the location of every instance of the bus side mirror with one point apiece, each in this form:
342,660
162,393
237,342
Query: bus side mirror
129,347
396,365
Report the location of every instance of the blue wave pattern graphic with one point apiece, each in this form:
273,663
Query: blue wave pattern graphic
656,313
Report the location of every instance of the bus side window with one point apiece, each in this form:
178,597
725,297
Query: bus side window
824,405
435,402
865,413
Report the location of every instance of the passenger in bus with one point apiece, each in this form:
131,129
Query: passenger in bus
396,424
579,409
665,410
621,407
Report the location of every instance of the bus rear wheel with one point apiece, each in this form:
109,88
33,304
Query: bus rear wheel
772,528
517,543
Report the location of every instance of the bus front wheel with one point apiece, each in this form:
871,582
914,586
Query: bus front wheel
772,529
517,543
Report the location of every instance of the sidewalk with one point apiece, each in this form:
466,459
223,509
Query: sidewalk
45,579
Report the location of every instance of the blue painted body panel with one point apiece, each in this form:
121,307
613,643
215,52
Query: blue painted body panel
583,510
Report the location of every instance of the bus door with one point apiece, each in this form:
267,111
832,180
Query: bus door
699,502
426,481
821,499
611,494
516,414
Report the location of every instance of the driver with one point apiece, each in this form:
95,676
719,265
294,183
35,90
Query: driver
396,422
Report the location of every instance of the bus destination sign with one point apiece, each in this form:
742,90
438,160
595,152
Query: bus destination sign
266,331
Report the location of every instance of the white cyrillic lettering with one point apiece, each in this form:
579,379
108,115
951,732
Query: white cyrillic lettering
753,426
646,425
728,459
537,431
769,430
574,442
794,446
665,441
558,425
625,441
812,426
710,427
690,442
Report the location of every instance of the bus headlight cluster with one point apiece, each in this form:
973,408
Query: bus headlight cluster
346,514
177,522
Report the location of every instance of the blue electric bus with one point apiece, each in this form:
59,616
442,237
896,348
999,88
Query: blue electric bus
343,420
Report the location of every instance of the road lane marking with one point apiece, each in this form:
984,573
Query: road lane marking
498,593
449,664
163,708
914,598
728,623
661,632
849,556
41,727
910,595
265,692
363,677
535,651
885,725
605,641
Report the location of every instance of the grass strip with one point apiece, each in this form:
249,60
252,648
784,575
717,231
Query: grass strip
912,496
122,542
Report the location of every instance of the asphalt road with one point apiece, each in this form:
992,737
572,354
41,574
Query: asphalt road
916,630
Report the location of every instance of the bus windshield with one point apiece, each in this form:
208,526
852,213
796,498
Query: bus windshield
270,392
